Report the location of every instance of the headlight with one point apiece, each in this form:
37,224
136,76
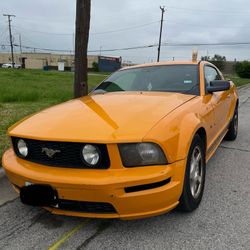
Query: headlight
141,154
91,155
22,148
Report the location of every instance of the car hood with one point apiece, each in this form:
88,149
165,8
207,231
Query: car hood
103,118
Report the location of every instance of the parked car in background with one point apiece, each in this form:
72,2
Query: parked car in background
9,66
136,146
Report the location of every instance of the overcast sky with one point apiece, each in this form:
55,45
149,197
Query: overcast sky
129,23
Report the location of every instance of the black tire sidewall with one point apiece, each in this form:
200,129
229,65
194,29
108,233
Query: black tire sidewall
232,134
233,125
188,202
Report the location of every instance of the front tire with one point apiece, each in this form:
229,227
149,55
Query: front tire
194,181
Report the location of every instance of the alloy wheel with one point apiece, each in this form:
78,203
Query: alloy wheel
196,172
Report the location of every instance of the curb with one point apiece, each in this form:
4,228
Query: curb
2,173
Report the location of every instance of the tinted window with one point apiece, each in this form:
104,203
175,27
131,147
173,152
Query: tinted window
169,78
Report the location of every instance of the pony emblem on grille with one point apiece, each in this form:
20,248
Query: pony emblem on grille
50,152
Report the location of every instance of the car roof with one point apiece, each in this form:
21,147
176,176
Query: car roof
162,64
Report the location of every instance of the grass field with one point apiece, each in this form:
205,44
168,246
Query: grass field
23,92
237,80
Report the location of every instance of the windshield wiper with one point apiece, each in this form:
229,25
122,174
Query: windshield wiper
98,92
109,86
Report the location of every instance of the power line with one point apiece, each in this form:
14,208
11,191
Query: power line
3,34
43,49
43,32
127,48
92,33
165,44
175,45
132,28
210,11
125,29
91,51
205,26
205,44
41,19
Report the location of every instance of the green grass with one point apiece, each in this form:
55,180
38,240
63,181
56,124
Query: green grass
237,80
23,92
38,86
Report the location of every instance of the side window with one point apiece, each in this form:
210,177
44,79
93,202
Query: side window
211,74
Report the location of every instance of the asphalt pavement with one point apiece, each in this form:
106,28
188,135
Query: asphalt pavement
221,222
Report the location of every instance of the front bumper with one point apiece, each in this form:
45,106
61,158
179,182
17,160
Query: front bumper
107,186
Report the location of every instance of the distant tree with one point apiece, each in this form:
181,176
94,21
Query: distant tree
205,58
81,47
95,67
243,69
217,60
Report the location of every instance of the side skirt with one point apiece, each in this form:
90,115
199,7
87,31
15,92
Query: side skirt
213,147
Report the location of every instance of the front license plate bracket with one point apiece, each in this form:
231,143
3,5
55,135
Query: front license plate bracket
38,195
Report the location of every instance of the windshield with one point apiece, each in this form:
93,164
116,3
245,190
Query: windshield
167,78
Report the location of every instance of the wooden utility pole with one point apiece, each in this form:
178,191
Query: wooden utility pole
159,47
83,8
11,40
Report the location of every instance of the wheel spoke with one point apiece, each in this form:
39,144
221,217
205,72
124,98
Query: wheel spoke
198,179
192,187
196,172
193,158
192,170
198,158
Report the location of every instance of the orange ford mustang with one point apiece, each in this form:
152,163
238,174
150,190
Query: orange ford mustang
136,146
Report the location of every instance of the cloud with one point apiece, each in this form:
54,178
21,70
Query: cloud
190,21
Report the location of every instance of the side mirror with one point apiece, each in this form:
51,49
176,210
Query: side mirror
218,85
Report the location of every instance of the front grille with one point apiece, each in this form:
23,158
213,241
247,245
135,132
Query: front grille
68,154
86,206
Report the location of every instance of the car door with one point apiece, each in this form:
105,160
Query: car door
220,100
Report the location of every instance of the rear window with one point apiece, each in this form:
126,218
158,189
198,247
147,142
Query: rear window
167,78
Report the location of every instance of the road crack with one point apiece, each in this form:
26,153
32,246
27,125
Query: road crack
8,202
37,217
101,227
238,149
244,102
